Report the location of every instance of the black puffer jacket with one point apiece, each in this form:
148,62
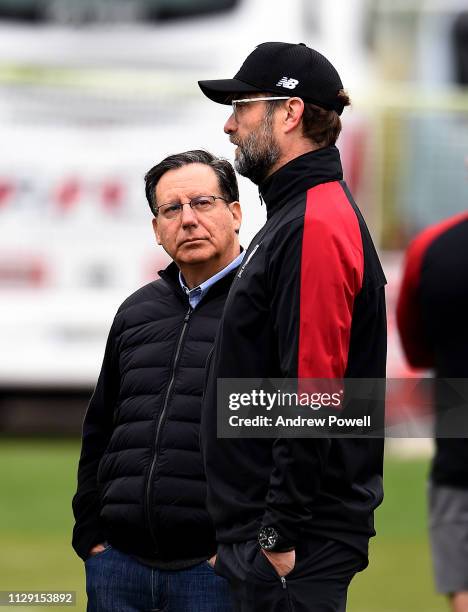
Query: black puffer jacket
141,483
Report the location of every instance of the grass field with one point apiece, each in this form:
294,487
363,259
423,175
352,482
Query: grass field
38,480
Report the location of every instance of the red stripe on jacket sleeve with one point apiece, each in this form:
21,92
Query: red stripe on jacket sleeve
413,340
332,269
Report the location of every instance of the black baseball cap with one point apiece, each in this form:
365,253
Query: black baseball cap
282,68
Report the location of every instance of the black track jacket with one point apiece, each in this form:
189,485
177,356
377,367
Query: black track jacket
432,320
307,302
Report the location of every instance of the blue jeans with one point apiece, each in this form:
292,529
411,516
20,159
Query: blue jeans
116,582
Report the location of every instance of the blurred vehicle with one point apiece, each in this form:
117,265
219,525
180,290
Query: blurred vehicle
84,113
88,11
89,102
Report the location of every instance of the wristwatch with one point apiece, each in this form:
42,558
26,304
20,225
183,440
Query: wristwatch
270,540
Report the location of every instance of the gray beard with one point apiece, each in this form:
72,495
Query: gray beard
257,155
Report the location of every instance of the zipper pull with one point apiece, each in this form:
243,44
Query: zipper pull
283,581
187,316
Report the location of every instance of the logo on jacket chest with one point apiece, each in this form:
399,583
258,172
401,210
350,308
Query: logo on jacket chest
246,262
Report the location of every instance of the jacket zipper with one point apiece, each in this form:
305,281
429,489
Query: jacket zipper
160,422
285,588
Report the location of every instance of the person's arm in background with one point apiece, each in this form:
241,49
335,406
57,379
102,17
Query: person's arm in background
315,272
409,319
97,430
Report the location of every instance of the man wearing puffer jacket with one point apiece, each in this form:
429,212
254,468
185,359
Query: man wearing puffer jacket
141,524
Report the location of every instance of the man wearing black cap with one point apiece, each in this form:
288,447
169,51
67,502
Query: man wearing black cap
294,516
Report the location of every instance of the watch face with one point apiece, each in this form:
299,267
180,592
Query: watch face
268,537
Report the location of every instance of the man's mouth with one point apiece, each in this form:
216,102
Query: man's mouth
238,147
191,240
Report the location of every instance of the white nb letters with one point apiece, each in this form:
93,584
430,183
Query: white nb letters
287,82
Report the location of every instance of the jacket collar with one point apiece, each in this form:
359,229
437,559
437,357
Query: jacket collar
299,175
171,276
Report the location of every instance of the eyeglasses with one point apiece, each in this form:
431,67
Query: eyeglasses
236,104
201,204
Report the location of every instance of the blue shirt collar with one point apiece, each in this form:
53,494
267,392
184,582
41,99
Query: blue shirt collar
196,294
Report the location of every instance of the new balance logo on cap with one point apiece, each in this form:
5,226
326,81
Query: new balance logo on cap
288,83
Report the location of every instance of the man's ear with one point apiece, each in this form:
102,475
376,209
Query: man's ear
236,211
294,109
156,229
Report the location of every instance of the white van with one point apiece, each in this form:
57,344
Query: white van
85,111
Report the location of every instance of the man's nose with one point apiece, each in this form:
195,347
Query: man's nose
188,216
231,124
